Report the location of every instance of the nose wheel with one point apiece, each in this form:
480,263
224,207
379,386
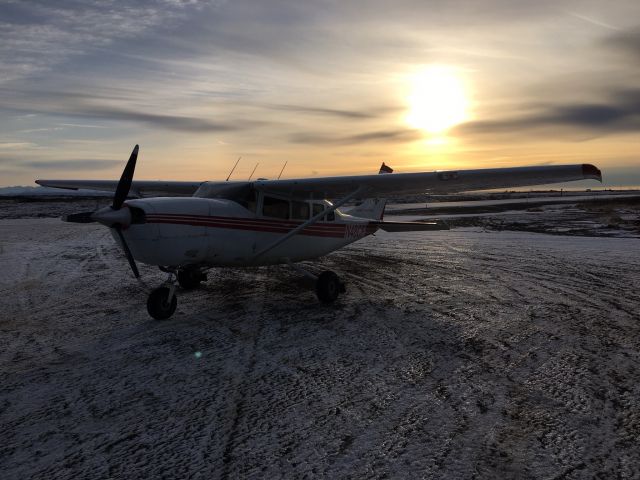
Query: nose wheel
162,302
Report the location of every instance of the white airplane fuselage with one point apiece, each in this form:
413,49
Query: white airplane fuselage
220,232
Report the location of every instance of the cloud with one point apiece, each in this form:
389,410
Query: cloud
21,162
620,114
388,136
332,112
626,42
92,107
169,122
16,145
113,105
78,165
35,36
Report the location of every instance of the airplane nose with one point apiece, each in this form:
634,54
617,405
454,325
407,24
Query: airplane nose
109,217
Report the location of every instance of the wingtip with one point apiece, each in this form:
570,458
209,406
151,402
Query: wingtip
591,171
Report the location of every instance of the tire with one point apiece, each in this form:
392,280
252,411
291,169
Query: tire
328,287
158,304
190,279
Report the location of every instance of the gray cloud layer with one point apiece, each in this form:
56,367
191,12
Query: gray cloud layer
84,106
626,42
387,136
73,165
21,162
37,35
621,113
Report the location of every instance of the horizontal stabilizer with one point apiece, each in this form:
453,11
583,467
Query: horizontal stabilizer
411,226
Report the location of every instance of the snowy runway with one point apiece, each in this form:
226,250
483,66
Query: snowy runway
453,354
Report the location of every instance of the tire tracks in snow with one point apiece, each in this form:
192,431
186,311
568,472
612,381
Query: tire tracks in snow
240,401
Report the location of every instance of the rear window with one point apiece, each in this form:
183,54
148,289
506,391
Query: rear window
319,207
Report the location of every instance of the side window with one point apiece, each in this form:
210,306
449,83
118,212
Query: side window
317,208
299,210
275,207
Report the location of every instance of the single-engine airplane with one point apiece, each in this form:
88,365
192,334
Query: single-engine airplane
186,228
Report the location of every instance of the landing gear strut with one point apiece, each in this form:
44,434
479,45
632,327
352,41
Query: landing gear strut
162,301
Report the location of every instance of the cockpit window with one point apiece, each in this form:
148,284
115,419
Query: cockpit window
299,210
250,201
275,207
331,217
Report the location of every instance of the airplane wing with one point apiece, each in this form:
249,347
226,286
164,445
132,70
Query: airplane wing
447,181
140,188
430,182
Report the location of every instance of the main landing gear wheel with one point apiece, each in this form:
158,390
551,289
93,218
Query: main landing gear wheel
190,279
328,287
158,304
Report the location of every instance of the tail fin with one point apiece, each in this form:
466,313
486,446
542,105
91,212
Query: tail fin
385,168
371,208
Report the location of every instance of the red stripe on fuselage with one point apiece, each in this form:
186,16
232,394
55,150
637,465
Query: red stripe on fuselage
335,230
242,221
245,221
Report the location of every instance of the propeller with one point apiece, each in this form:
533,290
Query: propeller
115,216
124,185
127,252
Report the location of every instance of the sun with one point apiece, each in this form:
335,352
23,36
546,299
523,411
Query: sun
437,100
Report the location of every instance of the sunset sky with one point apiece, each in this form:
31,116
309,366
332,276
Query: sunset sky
332,87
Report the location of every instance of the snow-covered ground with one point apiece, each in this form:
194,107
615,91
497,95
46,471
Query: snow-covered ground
456,354
619,217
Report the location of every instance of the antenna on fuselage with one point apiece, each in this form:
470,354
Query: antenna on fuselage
253,171
234,167
285,164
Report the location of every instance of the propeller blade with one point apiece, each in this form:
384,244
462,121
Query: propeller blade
127,252
82,217
124,185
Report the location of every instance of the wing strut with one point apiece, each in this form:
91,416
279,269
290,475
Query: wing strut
308,223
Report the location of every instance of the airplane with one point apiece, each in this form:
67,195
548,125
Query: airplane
187,228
